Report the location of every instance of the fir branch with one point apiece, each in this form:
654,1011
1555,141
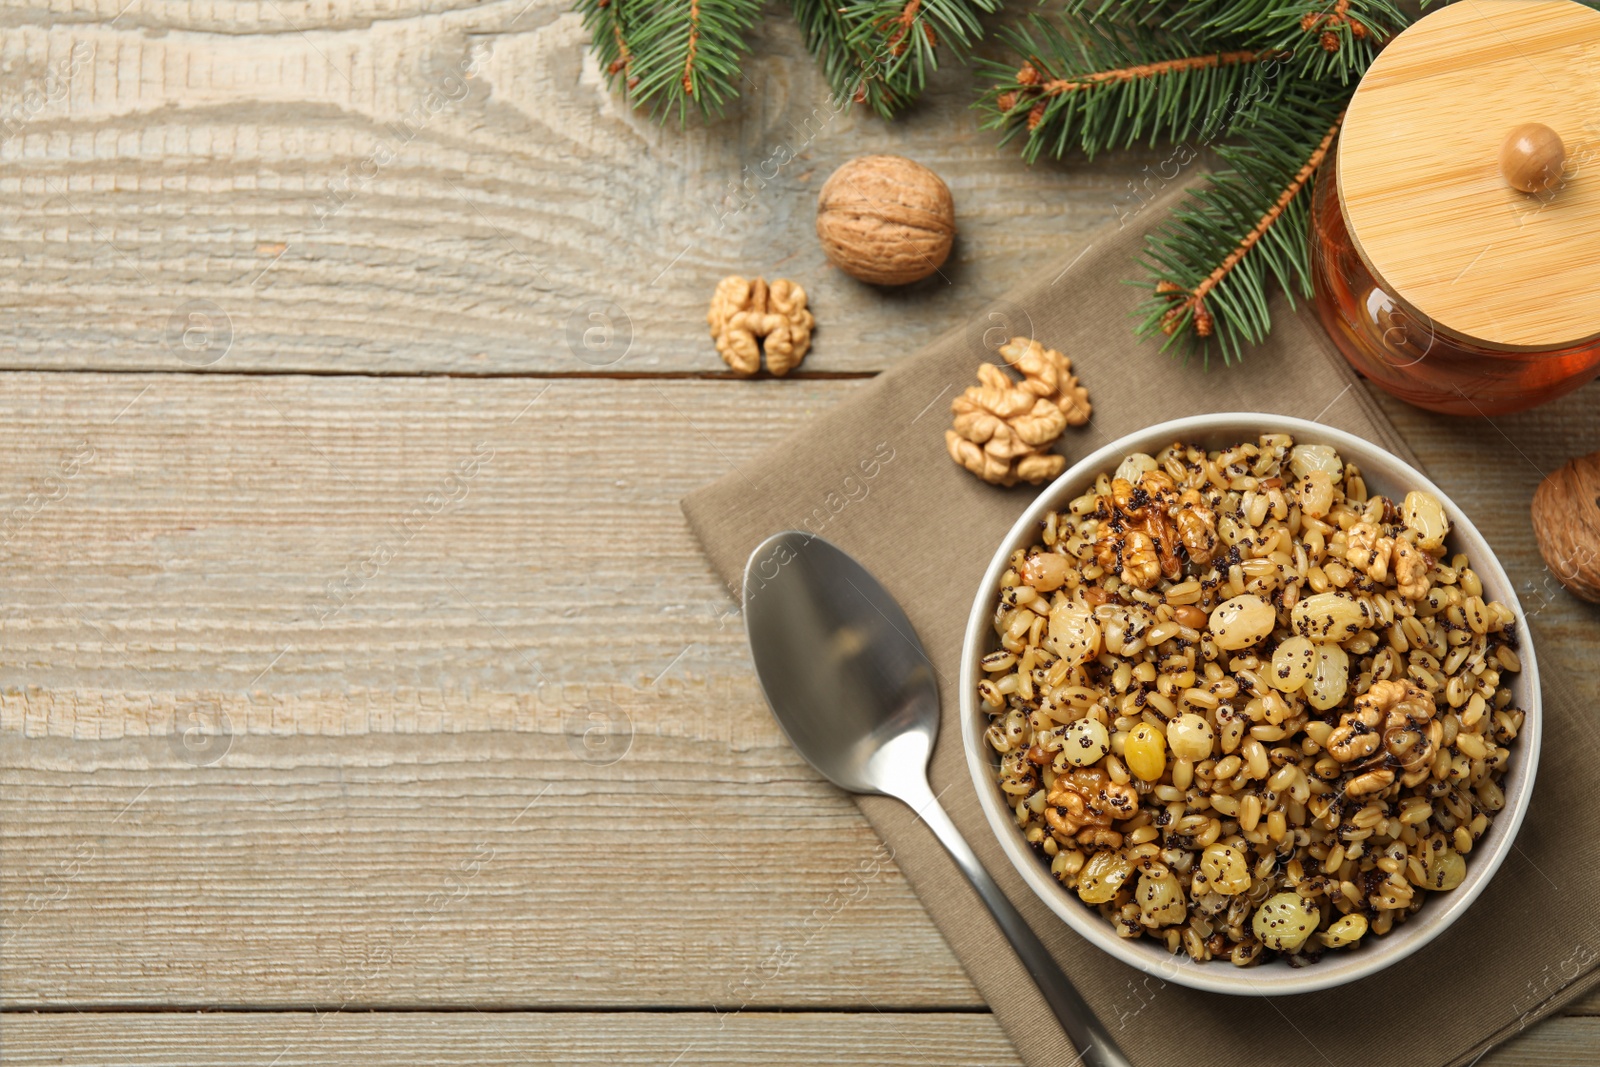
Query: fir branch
1128,12
603,20
1332,38
624,57
693,47
1214,261
880,52
854,73
1094,86
904,36
1335,39
1160,68
671,54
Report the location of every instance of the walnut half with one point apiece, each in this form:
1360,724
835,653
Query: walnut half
1084,803
1004,428
1138,538
1390,732
747,316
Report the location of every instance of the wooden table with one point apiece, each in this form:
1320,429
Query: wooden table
356,655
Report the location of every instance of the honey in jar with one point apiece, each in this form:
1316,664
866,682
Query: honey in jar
1456,227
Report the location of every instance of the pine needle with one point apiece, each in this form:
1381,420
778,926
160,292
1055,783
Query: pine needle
853,72
1091,86
1334,39
1330,38
603,19
671,55
1214,262
880,52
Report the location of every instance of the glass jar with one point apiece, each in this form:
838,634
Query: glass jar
1410,356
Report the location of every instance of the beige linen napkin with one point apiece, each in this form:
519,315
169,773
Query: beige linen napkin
872,475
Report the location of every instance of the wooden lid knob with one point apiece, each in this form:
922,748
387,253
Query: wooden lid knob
1532,158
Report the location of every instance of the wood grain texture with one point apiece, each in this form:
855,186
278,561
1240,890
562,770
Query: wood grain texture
473,545
553,613
319,853
885,1039
402,693
489,870
346,555
322,187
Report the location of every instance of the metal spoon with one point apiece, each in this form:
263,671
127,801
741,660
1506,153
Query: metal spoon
855,693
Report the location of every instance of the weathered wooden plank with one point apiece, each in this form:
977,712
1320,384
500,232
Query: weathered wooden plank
483,870
552,613
470,546
452,188
879,1038
399,537
888,1039
554,606
451,871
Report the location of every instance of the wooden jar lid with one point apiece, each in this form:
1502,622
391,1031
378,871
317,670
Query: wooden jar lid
1420,179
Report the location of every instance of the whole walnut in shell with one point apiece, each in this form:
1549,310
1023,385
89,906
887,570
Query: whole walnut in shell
886,220
1566,523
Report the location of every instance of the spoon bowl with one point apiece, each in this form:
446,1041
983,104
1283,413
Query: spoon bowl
840,665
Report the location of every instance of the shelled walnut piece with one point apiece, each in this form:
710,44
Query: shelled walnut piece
1140,538
1083,804
1003,427
1390,728
748,316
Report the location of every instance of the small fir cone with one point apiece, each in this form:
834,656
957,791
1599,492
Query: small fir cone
1182,302
1328,20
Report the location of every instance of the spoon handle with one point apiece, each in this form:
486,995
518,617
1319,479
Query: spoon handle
1096,1047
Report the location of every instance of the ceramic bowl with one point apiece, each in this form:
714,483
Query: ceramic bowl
1384,473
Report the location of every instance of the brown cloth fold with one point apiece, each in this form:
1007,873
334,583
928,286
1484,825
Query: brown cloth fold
872,475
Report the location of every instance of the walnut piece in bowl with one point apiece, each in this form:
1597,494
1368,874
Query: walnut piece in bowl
1250,704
